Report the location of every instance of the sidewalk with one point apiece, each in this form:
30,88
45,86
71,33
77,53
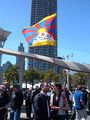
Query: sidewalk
22,116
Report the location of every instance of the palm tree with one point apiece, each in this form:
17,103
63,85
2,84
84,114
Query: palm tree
41,76
31,75
79,78
51,76
11,74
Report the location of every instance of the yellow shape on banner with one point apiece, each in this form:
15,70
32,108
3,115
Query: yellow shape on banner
41,30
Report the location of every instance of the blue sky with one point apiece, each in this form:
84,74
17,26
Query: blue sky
73,27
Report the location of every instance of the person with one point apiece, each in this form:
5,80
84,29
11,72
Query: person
73,113
41,104
28,103
79,104
4,100
7,88
88,103
85,94
16,102
58,103
69,101
34,93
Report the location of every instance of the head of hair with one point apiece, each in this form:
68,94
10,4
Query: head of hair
42,84
59,86
79,87
16,86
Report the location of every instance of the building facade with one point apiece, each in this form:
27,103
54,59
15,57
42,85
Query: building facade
39,10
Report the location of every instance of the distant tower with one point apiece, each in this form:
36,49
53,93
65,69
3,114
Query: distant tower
3,37
19,58
39,10
20,62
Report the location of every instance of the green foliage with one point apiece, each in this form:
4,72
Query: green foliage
41,76
51,76
11,74
31,75
79,78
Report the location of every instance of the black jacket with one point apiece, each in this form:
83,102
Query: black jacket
17,100
33,94
40,107
4,99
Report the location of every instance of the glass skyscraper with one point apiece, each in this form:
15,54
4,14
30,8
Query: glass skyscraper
39,10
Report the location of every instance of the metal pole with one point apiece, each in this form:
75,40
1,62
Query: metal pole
68,84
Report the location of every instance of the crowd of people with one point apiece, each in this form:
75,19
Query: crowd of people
13,98
47,102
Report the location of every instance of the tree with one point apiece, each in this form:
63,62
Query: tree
51,76
31,75
79,78
42,76
11,74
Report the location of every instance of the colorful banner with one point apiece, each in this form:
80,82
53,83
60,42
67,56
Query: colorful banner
42,33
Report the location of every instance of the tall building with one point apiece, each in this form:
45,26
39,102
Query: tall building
39,10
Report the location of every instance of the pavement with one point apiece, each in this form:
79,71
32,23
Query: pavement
23,116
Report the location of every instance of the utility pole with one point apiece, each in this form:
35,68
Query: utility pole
67,72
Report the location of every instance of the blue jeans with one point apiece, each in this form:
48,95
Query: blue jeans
15,115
